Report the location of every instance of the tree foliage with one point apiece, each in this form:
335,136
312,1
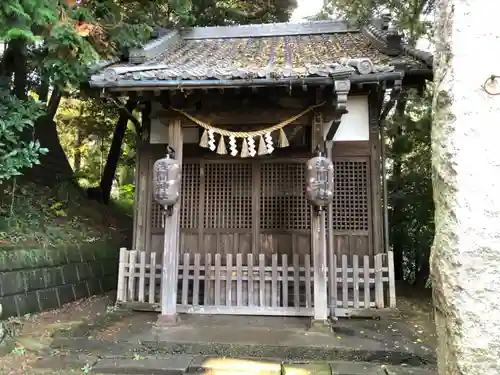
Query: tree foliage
411,208
52,45
411,16
16,116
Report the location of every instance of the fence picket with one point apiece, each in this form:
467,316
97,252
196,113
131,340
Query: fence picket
152,278
366,281
296,281
392,283
345,289
207,279
217,279
335,280
331,280
274,280
131,275
262,280
284,279
229,279
308,276
185,278
196,279
379,291
250,264
142,277
355,281
121,291
239,279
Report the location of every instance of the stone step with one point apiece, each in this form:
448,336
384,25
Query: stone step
296,352
183,364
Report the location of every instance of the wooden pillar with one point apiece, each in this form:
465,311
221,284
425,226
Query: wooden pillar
170,265
330,249
141,218
318,227
376,244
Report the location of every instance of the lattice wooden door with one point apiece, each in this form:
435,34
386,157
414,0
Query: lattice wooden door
250,252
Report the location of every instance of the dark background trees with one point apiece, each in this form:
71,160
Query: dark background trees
52,133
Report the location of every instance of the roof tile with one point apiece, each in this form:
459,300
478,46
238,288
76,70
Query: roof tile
240,53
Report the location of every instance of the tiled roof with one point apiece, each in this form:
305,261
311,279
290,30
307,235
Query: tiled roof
246,52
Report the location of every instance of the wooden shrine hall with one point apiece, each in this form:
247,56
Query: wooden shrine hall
244,108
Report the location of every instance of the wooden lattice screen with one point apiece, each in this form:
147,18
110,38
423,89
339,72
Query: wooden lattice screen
228,188
283,204
228,196
351,198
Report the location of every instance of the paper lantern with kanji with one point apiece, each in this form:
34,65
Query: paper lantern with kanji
319,180
167,179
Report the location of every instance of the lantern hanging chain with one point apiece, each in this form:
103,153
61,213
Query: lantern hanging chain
256,133
489,85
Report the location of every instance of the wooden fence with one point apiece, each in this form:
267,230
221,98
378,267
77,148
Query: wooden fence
264,285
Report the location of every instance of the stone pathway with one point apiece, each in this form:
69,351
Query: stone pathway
101,343
34,333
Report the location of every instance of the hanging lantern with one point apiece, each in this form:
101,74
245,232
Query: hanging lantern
167,179
319,180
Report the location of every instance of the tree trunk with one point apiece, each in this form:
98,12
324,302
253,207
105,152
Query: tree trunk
54,166
115,151
20,68
465,258
421,271
77,159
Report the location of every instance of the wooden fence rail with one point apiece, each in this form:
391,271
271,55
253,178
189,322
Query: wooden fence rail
264,285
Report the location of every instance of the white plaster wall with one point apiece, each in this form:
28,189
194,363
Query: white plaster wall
159,133
355,124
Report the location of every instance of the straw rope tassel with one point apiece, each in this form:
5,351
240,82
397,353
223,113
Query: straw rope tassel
262,147
221,149
283,140
244,149
204,139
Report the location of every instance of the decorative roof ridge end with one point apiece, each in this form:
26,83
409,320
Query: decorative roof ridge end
153,48
388,42
391,43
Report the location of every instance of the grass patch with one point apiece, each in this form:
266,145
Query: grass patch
38,216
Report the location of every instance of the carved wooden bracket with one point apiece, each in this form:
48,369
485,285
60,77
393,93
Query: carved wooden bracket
340,104
395,93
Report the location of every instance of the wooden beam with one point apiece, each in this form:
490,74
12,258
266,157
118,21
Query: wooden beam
170,263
